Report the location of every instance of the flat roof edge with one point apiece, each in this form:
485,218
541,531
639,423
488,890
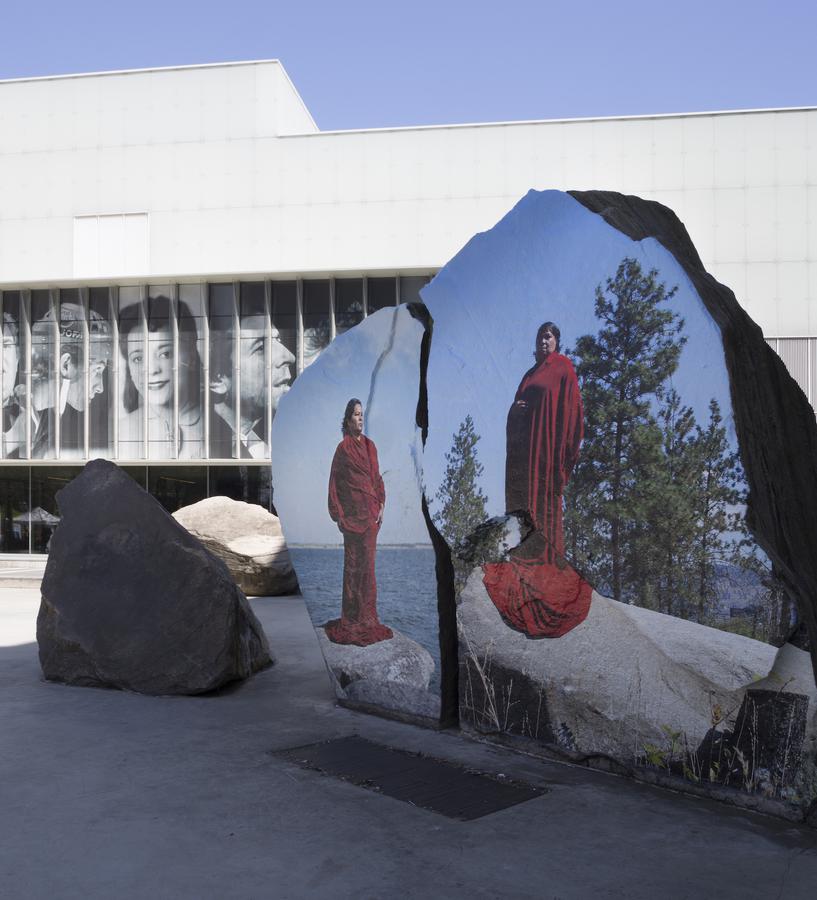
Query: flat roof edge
566,121
107,72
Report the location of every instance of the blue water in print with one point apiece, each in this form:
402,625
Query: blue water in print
406,590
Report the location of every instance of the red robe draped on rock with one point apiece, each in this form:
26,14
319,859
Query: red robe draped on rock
536,591
356,494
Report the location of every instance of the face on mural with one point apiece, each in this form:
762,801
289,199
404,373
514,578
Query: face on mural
72,371
356,421
159,364
253,364
11,358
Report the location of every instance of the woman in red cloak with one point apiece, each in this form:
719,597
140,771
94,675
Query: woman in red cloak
536,591
357,498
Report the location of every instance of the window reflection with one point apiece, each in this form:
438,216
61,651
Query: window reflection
14,519
44,346
285,316
317,321
100,355
380,292
71,394
12,380
223,409
348,303
177,486
131,331
44,517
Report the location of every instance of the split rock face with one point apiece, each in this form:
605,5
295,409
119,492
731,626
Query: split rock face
131,600
382,648
587,376
248,539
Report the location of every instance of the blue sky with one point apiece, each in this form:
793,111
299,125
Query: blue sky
542,261
373,64
379,363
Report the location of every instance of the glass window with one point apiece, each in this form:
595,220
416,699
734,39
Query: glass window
177,486
410,286
192,310
317,324
380,292
100,372
252,484
44,345
285,313
72,395
15,522
138,474
223,408
44,515
159,367
348,303
132,383
254,365
284,330
12,379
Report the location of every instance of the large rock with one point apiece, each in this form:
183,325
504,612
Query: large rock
394,674
615,684
131,600
249,540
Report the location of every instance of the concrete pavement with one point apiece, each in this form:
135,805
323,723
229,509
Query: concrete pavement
108,794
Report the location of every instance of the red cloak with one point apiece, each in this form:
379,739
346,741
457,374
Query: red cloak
356,495
537,592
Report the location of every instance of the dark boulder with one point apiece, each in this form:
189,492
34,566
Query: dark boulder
131,600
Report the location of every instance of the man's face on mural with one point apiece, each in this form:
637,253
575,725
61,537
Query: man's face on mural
253,365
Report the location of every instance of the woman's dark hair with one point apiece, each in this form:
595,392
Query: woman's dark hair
553,328
160,311
350,408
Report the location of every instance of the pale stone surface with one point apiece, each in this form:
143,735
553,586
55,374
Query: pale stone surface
131,600
249,540
611,685
394,674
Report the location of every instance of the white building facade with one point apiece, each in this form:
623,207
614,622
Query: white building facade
177,244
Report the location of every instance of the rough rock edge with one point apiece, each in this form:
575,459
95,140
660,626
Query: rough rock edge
780,515
443,565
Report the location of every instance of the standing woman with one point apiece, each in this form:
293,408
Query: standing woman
356,501
536,591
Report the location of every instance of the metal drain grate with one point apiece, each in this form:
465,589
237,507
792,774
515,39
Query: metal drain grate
424,781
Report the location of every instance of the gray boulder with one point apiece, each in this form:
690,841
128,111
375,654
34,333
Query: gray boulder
249,540
131,600
393,674
614,684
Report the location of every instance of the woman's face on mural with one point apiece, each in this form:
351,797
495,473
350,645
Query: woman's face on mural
355,421
11,358
546,342
159,363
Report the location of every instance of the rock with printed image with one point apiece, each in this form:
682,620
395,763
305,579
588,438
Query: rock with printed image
394,674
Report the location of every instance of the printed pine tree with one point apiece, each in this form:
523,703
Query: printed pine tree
461,498
620,370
